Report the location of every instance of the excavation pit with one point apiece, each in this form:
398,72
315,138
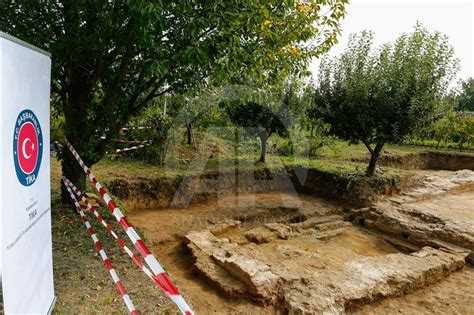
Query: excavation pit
281,252
319,265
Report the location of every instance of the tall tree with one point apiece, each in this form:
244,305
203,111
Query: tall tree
259,121
465,99
379,96
110,57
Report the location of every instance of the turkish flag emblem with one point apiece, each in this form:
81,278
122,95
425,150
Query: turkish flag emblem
27,147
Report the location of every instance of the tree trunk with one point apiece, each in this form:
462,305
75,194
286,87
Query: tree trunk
461,144
263,140
189,134
374,156
72,171
78,130
236,160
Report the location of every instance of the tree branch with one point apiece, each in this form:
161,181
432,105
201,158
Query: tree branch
367,145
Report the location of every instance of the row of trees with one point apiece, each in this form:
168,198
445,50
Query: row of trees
464,99
261,110
112,58
373,95
457,127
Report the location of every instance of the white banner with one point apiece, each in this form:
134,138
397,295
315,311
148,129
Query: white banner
26,263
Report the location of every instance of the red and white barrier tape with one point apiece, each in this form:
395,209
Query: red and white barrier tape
132,148
103,255
132,141
161,276
109,230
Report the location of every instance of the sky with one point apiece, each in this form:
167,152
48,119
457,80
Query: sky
389,18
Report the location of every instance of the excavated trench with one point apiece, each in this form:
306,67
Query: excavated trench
266,248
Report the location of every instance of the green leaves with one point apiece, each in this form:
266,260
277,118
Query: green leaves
112,58
381,95
465,99
456,127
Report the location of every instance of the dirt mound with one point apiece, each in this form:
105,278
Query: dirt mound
144,193
357,190
353,189
438,184
426,160
454,295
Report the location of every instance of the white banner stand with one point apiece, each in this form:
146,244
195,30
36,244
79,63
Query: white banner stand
26,263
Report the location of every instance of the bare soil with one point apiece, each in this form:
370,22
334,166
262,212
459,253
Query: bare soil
443,206
454,295
437,213
383,241
166,228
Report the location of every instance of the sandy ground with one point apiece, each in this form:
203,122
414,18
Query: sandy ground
455,295
165,228
458,207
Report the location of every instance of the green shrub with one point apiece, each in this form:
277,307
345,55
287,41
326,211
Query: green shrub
160,124
285,148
